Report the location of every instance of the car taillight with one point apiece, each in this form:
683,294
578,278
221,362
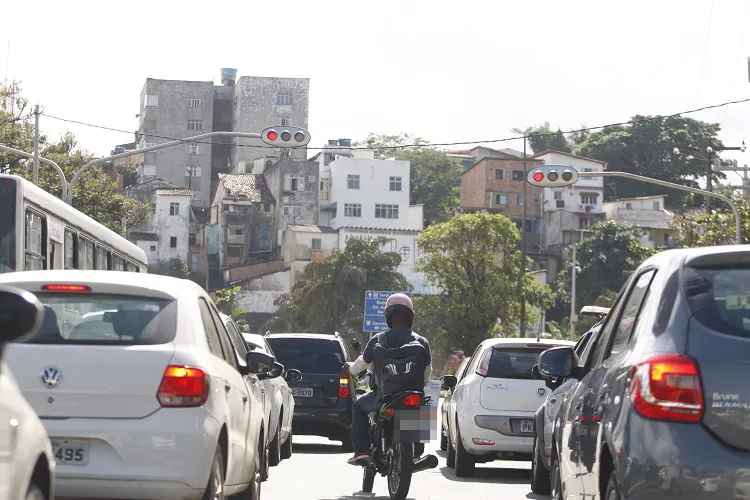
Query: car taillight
412,400
483,367
344,385
183,386
667,388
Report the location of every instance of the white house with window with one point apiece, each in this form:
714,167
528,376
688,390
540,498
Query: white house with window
167,235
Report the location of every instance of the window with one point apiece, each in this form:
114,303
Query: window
311,179
352,181
316,244
292,210
558,195
226,344
193,171
150,101
628,206
238,343
36,241
193,148
237,232
515,363
385,211
501,199
520,200
588,169
173,242
195,102
630,312
294,182
195,124
284,98
174,208
234,250
499,174
71,242
324,185
85,254
152,248
212,334
588,199
286,121
352,210
118,263
148,170
308,355
657,206
395,183
103,257
719,296
518,175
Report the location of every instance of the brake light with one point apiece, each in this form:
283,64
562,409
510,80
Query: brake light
667,388
66,288
344,385
483,368
412,400
183,386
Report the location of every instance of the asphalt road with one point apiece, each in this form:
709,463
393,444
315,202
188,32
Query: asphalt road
318,471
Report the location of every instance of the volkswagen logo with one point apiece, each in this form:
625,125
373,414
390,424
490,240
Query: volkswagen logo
51,377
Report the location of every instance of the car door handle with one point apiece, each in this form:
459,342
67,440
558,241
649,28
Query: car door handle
244,399
227,387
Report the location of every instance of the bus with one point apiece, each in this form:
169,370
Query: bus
39,231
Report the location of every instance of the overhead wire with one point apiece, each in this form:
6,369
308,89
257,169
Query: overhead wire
705,49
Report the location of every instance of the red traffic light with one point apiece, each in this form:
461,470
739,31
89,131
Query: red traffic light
538,176
272,135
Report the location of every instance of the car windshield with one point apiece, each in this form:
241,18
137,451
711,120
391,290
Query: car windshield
720,298
308,355
515,362
95,319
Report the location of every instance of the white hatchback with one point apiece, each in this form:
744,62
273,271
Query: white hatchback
491,411
147,400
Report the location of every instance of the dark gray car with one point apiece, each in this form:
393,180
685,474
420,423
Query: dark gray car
663,403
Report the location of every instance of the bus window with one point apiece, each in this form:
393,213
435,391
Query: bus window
118,263
85,254
71,242
36,241
8,226
102,258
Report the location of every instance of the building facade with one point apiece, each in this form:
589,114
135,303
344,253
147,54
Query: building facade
649,214
167,234
294,185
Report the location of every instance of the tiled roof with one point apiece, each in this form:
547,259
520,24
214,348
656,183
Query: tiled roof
174,192
251,186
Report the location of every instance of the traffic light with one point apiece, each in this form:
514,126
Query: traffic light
552,176
286,137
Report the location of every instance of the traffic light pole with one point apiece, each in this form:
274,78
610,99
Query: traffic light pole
63,180
523,249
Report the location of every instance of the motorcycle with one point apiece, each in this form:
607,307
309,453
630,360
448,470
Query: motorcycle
392,451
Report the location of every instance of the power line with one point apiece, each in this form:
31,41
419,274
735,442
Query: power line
739,53
421,145
705,49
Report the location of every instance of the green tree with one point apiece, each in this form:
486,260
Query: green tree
474,260
227,302
435,177
330,296
646,147
542,138
699,228
606,258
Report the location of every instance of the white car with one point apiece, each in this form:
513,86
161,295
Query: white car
491,410
282,402
27,464
151,403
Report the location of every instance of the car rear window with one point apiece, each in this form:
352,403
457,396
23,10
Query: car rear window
308,355
513,363
719,298
95,319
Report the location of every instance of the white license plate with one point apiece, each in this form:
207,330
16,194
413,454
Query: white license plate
527,426
302,392
70,451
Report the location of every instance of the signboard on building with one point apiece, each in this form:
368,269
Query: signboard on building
375,310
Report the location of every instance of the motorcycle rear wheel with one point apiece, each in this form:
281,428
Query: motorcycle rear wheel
400,470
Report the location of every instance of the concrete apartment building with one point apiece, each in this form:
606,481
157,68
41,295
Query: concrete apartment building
648,213
166,235
177,109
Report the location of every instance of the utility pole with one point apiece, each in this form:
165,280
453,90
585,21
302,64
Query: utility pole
523,249
573,315
36,145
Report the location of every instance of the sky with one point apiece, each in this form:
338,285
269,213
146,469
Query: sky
445,71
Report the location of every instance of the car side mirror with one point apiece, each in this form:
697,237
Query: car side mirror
293,375
536,373
276,371
359,392
259,362
21,315
448,381
557,362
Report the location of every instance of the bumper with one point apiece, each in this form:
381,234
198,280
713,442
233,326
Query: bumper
663,459
323,421
166,455
487,433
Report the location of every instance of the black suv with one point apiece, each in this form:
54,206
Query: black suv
324,396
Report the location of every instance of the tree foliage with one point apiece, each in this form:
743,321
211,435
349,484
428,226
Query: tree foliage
474,259
330,296
606,258
699,228
96,193
542,138
227,302
435,177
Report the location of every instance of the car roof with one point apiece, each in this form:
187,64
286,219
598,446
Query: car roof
525,342
104,281
720,253
321,336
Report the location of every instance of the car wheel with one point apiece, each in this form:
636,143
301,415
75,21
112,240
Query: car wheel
540,479
613,489
465,461
265,467
557,487
34,492
286,448
443,441
256,481
215,487
274,456
450,460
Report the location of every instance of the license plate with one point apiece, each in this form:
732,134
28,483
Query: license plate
302,392
70,451
527,426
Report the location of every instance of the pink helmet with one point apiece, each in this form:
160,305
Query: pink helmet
398,302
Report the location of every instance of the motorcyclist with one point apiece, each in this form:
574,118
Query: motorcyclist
399,315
